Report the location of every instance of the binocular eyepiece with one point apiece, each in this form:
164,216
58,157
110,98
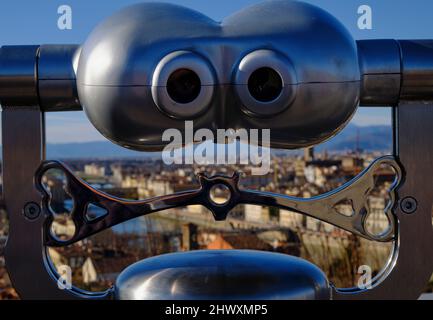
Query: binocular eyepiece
267,67
184,84
280,65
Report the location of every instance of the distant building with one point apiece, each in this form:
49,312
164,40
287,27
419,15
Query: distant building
94,170
352,164
89,272
312,224
299,168
238,241
160,187
309,154
189,237
315,175
117,175
253,213
291,219
377,222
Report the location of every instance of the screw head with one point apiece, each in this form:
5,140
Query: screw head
32,211
409,205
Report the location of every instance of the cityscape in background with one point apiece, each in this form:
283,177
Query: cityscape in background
97,261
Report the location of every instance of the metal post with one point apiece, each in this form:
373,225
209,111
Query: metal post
23,150
408,278
23,134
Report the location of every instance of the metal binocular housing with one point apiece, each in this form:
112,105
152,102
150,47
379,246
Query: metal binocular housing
281,65
150,67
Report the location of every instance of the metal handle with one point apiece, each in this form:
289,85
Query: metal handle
323,208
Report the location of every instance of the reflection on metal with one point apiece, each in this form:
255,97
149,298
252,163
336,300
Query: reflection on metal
94,212
31,272
223,275
324,207
117,87
410,266
40,76
125,78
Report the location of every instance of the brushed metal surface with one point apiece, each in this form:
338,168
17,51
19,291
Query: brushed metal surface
380,63
417,64
119,59
222,275
27,262
57,88
323,207
411,264
18,76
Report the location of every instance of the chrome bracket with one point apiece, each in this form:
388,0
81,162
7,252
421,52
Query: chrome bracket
116,211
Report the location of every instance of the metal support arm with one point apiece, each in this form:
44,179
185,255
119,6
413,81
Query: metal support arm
324,207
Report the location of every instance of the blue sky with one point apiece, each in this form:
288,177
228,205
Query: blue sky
35,22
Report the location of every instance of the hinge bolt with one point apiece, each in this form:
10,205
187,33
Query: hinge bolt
32,211
409,205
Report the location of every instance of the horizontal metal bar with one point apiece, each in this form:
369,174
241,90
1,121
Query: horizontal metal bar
40,76
18,76
391,71
57,78
394,71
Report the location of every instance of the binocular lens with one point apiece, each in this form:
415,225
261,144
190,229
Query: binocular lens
183,86
265,85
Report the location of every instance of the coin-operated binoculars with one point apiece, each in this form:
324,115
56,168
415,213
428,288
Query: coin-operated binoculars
283,65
